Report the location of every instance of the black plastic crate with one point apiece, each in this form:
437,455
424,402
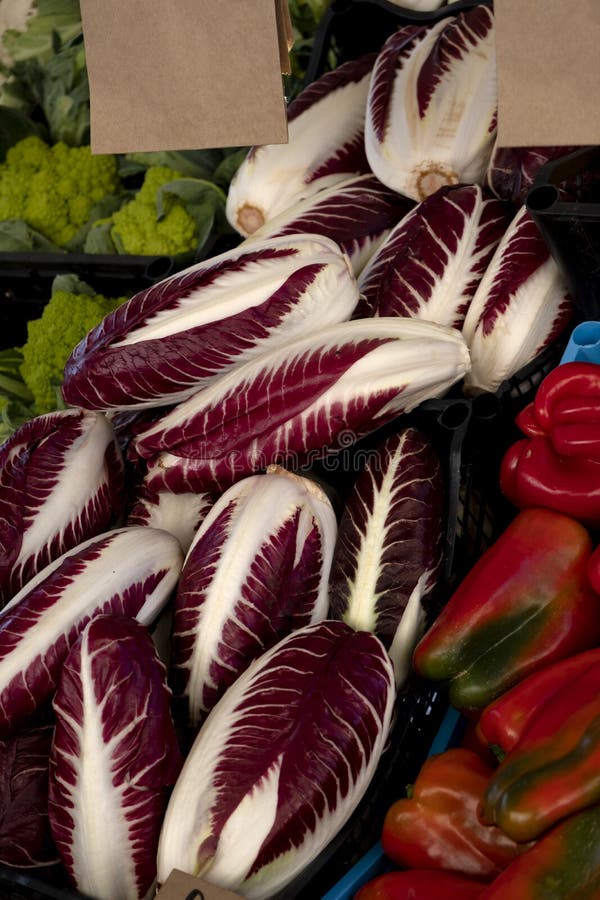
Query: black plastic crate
35,884
565,203
26,283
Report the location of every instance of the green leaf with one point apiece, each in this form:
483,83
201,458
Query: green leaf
229,166
193,192
11,380
55,21
56,92
16,236
15,388
14,126
117,242
66,96
102,210
25,89
71,284
10,360
191,163
99,239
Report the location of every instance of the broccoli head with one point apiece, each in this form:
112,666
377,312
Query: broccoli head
54,189
137,228
65,321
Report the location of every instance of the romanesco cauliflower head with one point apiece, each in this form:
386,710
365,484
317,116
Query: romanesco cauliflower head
65,321
137,228
28,155
54,188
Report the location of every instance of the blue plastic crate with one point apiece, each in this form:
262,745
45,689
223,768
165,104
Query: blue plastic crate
584,344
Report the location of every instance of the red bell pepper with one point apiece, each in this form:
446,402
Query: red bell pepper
421,885
558,465
438,827
524,604
554,770
503,723
563,865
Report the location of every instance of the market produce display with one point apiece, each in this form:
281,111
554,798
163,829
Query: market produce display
541,716
358,214
417,138
551,773
180,501
31,376
71,312
520,306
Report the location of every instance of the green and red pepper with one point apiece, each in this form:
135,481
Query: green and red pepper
563,865
554,769
526,603
503,723
439,828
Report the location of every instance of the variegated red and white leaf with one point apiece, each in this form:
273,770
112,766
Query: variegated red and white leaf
25,839
114,756
179,514
130,571
295,403
512,170
520,307
431,111
388,551
61,482
290,748
174,337
357,214
430,264
257,570
325,145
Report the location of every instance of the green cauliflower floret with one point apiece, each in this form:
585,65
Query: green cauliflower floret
136,226
66,320
54,189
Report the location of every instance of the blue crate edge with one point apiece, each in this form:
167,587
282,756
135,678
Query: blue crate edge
584,344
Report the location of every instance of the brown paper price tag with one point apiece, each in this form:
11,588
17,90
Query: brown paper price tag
180,886
183,74
548,56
